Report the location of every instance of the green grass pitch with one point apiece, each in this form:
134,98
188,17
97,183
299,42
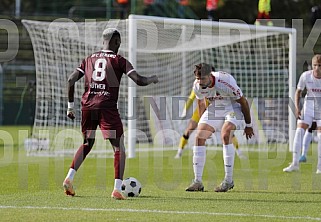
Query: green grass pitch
31,187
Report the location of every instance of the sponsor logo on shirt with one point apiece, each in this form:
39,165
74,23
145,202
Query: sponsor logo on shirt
100,93
103,54
216,97
316,90
236,92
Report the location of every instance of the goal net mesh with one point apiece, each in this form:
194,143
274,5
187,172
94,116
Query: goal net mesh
169,48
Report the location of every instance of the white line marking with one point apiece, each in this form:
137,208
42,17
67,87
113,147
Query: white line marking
109,153
162,212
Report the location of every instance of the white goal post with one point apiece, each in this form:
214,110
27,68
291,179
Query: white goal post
262,59
224,37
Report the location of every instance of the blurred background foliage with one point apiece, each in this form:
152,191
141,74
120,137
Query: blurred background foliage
18,76
245,10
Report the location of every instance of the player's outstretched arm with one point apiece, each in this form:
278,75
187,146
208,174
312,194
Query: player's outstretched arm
142,80
248,131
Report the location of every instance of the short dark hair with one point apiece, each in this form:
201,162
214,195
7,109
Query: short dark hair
203,69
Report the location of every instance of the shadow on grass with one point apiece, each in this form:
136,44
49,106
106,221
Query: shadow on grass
227,197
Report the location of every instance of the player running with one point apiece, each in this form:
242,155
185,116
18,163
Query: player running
311,81
102,71
227,111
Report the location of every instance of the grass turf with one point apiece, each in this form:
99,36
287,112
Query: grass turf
31,187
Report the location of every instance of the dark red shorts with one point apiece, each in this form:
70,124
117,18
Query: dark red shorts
108,121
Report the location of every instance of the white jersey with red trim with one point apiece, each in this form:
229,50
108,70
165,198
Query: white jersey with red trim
224,92
312,100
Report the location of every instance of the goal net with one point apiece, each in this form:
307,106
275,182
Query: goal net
260,58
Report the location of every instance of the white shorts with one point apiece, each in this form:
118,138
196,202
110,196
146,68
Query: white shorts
308,120
308,115
217,117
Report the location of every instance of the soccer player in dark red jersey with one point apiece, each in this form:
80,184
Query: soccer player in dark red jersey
102,71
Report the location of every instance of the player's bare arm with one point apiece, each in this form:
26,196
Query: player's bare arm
73,78
245,108
201,105
142,80
297,103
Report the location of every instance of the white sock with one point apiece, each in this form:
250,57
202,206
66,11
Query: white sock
117,184
306,142
228,157
199,157
299,133
71,174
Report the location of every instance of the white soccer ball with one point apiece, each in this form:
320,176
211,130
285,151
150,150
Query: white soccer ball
131,187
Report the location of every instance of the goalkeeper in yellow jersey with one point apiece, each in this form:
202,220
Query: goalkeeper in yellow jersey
264,9
192,125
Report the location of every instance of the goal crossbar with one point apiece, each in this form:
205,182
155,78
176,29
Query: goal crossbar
261,58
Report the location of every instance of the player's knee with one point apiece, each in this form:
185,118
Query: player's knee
89,142
226,137
203,134
199,141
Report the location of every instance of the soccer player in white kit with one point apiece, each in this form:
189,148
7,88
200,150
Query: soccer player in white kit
311,80
227,111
